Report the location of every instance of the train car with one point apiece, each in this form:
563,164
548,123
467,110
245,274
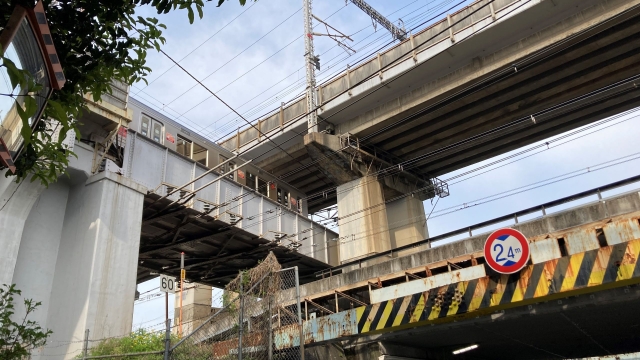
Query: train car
190,144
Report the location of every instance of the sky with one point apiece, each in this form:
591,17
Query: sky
252,57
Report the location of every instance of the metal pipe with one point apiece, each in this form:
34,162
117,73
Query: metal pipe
85,345
200,188
270,330
240,320
182,278
167,340
299,314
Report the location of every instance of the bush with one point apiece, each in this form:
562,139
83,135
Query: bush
18,339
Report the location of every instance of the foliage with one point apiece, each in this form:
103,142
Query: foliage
137,342
42,156
96,42
141,341
18,339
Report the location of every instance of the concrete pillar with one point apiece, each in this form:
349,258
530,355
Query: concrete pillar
196,307
363,219
95,273
16,201
38,253
407,224
369,226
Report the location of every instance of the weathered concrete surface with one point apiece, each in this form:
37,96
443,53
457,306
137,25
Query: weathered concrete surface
371,225
196,306
93,286
36,262
365,231
342,162
16,200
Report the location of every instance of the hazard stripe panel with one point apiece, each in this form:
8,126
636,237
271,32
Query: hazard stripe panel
606,267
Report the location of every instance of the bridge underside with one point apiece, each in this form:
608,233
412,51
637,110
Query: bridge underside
214,250
597,324
540,73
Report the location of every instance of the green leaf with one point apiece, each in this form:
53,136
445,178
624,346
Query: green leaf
16,76
191,15
200,12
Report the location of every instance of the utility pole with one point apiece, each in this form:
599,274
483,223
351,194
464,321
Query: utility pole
309,56
182,277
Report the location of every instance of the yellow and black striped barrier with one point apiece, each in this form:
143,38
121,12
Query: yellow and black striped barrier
594,270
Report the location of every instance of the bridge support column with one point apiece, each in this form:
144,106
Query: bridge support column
16,201
368,225
196,307
79,256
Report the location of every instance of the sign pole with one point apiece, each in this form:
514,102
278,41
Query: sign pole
167,285
182,276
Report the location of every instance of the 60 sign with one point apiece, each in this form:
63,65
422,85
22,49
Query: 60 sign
168,284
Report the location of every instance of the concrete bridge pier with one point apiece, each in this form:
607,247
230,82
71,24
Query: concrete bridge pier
78,255
368,225
378,210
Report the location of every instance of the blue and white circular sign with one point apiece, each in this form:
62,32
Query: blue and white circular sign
506,251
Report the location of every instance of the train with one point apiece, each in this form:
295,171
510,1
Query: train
188,143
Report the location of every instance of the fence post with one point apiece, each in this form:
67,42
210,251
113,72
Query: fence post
167,341
240,319
270,330
299,313
85,344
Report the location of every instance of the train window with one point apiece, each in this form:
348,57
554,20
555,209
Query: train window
231,167
223,168
251,180
145,125
279,197
200,154
183,146
286,198
157,132
262,187
151,128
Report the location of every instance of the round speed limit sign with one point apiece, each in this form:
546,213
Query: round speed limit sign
506,251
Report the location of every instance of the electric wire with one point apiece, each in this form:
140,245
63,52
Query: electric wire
199,46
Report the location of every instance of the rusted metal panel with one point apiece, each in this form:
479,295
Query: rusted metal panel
324,328
581,240
619,231
544,250
426,284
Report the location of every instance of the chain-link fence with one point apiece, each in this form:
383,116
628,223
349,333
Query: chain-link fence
252,312
256,306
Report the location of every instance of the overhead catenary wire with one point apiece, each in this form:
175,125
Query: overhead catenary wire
427,40
163,106
199,46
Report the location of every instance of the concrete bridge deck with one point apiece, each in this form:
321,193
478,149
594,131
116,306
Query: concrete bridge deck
450,99
583,274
